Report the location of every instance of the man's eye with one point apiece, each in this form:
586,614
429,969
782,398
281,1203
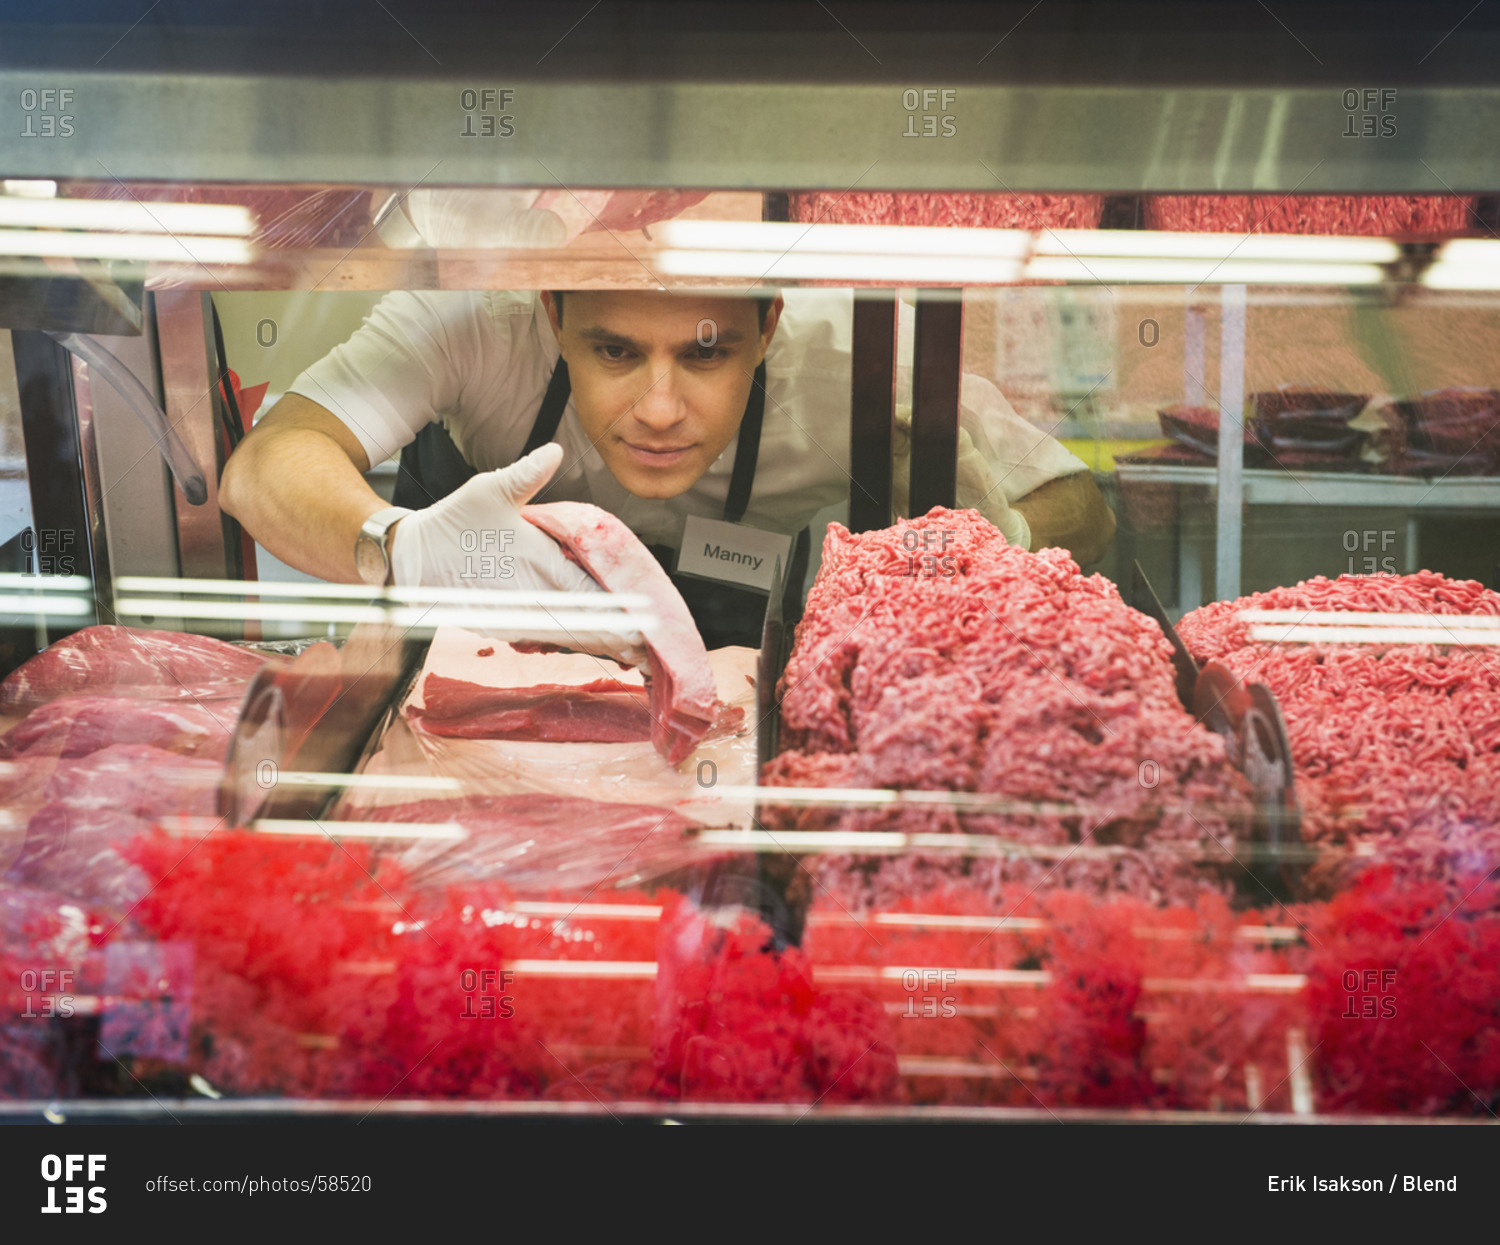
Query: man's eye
708,354
615,354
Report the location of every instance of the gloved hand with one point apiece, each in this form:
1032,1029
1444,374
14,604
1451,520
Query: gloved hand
476,538
976,487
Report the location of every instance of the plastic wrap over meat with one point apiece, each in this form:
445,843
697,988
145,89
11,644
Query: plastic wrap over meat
74,726
961,208
1395,746
1364,215
935,656
82,810
538,843
617,211
164,665
285,216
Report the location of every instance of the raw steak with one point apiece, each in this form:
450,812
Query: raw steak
935,656
604,711
684,699
162,665
1395,747
98,802
74,726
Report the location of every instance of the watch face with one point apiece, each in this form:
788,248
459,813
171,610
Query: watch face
369,560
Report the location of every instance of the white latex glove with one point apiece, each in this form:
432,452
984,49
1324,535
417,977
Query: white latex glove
976,487
476,538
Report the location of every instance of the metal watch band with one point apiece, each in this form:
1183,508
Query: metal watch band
375,529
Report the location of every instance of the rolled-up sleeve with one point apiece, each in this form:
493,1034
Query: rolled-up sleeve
403,368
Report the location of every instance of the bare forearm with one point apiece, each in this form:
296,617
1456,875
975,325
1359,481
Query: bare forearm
299,495
1069,513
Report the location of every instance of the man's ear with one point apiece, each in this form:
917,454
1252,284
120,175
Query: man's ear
768,329
553,318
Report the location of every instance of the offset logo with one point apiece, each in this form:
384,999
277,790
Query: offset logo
67,1169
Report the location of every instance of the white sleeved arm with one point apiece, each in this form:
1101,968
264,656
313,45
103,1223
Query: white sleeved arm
1001,458
1019,456
403,368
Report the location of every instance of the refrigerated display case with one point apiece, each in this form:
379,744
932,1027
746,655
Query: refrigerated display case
1207,833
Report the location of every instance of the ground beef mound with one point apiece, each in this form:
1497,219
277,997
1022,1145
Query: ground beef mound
933,655
1396,748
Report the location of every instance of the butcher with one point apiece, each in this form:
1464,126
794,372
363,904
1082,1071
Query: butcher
714,427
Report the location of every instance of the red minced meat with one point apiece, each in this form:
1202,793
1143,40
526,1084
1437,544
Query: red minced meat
971,210
1361,215
1394,747
1014,675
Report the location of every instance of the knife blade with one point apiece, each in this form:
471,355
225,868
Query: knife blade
1143,597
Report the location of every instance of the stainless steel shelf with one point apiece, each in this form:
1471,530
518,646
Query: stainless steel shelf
1271,487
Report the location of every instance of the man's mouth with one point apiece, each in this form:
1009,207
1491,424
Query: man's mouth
657,455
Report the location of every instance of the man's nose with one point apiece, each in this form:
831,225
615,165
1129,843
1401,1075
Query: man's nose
661,405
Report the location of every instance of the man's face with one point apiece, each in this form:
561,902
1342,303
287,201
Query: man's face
660,380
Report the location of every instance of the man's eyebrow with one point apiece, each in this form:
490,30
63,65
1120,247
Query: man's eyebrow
597,334
724,337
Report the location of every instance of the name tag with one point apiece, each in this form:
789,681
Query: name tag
713,549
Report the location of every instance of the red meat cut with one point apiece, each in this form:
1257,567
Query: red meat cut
162,665
96,803
604,711
74,726
684,696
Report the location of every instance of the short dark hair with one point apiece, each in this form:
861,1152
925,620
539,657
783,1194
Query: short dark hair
762,306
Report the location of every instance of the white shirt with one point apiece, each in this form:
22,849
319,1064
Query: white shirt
479,363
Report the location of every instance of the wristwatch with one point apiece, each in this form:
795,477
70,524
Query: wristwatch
372,556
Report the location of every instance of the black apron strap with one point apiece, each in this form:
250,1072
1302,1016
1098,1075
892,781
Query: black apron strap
549,414
747,450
